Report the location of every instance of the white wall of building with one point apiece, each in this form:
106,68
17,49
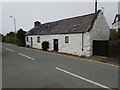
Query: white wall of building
73,47
116,25
100,31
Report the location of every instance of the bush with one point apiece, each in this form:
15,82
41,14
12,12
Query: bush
10,39
45,45
114,36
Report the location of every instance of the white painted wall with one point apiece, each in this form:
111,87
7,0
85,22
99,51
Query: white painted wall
100,31
116,25
73,47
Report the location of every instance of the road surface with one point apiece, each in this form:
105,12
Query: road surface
27,68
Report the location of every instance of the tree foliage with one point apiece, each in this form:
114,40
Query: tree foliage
114,35
21,37
45,45
18,38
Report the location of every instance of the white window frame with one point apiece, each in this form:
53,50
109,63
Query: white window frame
38,39
66,39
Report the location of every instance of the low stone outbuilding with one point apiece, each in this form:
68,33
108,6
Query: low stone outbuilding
72,35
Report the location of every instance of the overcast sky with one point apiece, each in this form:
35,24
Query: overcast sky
28,12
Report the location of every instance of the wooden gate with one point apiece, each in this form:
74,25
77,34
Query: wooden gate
100,47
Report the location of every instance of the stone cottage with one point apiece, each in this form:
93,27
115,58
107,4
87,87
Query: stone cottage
72,35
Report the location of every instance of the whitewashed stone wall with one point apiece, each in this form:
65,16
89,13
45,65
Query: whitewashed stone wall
100,31
73,47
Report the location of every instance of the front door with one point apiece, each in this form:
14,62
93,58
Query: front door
55,44
31,41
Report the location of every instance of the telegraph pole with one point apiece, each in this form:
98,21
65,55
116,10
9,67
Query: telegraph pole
95,6
14,27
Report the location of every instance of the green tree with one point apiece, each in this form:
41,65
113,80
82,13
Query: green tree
21,37
3,38
10,38
114,35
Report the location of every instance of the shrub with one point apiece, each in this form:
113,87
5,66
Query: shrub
45,45
114,36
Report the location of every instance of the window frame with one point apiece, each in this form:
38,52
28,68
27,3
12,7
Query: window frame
66,39
38,39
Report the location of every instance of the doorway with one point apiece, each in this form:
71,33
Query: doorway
55,44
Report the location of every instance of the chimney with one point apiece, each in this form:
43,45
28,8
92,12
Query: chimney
95,6
37,23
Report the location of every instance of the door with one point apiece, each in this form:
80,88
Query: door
31,41
55,44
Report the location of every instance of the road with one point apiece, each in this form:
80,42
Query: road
27,68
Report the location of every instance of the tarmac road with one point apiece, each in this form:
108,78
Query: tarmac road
27,68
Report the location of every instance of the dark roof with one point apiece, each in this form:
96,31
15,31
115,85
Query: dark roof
66,26
117,16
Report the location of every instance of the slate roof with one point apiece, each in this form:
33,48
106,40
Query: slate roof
117,15
80,24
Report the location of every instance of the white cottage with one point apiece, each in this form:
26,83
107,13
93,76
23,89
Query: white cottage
116,22
72,35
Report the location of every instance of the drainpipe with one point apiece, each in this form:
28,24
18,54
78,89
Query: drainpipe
82,40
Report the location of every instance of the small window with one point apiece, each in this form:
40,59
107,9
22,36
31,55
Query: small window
66,39
38,39
27,39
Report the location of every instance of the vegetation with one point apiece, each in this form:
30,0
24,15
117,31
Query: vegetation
18,39
45,45
21,37
114,35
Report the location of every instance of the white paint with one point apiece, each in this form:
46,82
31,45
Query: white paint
26,56
100,31
80,77
116,25
10,49
73,47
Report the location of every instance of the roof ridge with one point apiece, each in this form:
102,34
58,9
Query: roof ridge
69,18
76,24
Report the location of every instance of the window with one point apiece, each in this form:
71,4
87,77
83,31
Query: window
27,39
38,39
66,39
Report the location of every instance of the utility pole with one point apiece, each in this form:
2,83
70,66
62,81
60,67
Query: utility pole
95,6
14,27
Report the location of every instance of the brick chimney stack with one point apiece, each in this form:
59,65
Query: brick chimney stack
37,23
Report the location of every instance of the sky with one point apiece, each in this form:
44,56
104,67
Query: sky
26,13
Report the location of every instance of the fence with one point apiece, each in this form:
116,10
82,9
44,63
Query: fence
106,48
114,49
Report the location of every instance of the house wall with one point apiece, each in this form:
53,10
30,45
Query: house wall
73,47
100,31
116,25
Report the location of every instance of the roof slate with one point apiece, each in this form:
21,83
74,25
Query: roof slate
78,24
